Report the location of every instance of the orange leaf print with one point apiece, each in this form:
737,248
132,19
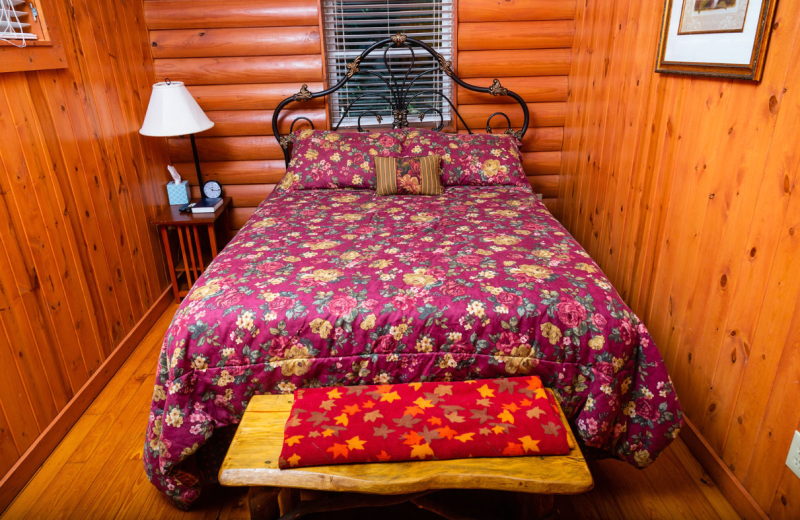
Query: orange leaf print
413,411
334,394
411,438
342,419
327,432
465,437
510,407
513,449
435,420
498,430
353,408
506,416
446,431
534,383
383,389
383,456
339,449
529,444
485,391
355,443
393,396
291,441
422,403
294,459
421,451
526,402
415,386
368,404
540,394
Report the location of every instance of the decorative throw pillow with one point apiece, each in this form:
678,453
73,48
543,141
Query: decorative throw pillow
471,160
408,175
422,421
324,159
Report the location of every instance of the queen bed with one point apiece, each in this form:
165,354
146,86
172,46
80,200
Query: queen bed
327,287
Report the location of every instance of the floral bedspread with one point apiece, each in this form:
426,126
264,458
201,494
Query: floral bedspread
335,287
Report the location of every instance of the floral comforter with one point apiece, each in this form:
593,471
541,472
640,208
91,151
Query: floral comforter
333,287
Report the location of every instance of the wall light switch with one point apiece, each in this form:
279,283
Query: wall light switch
793,459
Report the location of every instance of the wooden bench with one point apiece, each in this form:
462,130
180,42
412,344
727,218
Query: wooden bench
252,460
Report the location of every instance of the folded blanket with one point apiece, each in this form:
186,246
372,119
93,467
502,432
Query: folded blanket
422,421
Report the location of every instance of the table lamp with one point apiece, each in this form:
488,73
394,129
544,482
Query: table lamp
172,112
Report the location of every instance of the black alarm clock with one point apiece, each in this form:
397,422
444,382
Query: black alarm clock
212,190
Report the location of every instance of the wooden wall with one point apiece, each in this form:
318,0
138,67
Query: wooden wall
79,262
526,45
685,190
241,57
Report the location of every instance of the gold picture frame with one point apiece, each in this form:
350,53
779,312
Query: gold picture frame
753,70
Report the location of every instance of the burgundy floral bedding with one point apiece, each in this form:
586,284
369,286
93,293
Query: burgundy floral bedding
342,287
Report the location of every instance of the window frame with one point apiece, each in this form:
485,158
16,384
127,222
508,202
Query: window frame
44,53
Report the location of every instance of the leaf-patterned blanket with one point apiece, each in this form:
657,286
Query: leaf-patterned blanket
340,287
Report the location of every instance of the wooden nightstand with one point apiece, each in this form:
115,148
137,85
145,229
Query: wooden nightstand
194,258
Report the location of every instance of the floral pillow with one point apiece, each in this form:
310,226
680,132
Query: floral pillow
409,175
471,160
324,159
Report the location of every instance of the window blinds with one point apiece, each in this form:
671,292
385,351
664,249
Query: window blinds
14,22
353,25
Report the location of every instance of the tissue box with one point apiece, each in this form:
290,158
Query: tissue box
178,193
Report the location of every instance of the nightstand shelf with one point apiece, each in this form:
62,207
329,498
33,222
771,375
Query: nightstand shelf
195,257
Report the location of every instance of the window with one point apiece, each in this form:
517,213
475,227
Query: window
20,22
352,25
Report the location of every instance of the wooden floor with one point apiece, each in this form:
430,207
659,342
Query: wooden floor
96,472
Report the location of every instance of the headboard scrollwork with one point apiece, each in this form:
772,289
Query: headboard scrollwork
400,91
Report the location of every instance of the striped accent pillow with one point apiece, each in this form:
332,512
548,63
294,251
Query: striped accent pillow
409,175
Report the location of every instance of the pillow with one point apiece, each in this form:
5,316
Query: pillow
471,160
409,175
326,159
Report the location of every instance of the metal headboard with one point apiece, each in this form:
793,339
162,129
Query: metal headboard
400,90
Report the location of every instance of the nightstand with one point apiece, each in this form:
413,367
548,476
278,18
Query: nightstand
195,258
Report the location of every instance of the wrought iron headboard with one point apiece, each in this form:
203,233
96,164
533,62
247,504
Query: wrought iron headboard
400,90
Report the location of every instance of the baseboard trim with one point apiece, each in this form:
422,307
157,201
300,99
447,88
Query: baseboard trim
27,465
733,490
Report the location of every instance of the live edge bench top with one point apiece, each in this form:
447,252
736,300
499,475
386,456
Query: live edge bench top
252,460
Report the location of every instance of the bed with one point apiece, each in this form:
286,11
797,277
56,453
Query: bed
326,287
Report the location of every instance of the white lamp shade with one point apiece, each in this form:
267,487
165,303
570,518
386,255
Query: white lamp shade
173,111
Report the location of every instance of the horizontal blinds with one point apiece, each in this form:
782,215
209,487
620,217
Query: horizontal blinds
351,26
15,22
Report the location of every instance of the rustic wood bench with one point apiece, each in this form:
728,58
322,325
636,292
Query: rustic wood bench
252,460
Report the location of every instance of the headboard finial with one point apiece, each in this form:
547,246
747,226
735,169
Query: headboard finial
303,95
399,39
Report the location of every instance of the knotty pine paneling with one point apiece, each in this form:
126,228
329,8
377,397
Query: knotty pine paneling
526,44
79,261
240,58
684,191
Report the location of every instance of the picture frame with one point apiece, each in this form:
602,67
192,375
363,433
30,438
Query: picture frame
715,38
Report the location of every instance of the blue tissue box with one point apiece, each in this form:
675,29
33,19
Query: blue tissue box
178,193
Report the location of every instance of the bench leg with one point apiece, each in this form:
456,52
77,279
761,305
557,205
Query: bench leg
263,503
531,506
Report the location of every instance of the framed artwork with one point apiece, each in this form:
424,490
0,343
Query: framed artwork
720,38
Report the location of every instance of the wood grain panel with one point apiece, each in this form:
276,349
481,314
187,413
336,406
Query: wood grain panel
541,163
536,89
200,14
79,263
536,62
243,195
515,35
498,11
230,123
545,185
264,96
238,70
249,41
539,115
247,148
683,190
235,172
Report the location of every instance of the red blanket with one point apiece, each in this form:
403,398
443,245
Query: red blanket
422,421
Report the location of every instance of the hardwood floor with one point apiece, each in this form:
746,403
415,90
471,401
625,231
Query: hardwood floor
96,472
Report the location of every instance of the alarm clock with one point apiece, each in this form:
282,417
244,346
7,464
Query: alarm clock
212,190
